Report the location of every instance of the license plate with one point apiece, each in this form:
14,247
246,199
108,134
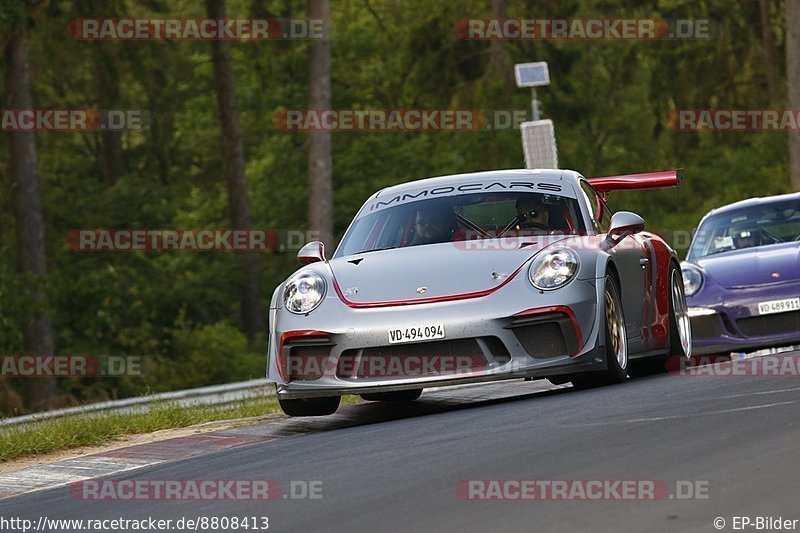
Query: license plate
416,333
778,306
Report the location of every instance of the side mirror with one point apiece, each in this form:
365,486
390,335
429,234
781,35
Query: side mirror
625,223
312,252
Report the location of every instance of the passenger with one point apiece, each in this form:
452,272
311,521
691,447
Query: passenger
746,238
433,225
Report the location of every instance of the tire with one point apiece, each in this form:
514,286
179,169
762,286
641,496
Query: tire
310,406
680,332
395,396
616,343
680,327
560,380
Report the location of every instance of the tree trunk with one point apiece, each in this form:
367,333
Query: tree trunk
238,197
108,96
320,159
106,56
500,65
793,83
768,44
31,259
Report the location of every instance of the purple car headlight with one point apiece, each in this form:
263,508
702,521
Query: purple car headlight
692,279
553,269
303,292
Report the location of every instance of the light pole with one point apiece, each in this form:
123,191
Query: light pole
532,75
538,136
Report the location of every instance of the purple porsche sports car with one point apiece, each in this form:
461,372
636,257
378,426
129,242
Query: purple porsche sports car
742,276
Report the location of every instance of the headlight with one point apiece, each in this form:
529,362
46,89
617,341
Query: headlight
303,292
692,279
553,269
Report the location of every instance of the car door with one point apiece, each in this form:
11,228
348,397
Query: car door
650,274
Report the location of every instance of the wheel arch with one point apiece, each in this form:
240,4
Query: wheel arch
605,267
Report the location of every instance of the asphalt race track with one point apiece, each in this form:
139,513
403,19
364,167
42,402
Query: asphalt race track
396,468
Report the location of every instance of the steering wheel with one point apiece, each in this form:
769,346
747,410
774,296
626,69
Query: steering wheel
536,225
517,221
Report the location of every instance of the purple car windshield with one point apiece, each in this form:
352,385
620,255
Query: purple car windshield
461,218
749,227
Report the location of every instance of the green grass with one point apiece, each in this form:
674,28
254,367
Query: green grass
37,438
92,429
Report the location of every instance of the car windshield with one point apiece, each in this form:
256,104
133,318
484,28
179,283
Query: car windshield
460,218
748,227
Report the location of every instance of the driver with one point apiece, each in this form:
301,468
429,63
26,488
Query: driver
532,214
432,225
746,238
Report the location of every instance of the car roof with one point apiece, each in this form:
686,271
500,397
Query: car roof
752,202
489,175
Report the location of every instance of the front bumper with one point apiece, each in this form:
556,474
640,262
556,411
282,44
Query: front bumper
734,324
516,332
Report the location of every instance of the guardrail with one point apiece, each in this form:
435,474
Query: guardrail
212,395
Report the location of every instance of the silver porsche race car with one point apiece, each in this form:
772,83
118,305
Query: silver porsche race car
478,277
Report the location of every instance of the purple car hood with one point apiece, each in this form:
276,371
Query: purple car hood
432,271
754,266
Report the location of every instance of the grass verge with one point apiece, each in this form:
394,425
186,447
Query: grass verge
91,429
37,438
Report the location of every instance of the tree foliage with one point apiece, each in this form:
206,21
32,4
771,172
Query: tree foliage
609,99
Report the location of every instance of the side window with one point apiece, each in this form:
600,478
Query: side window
601,214
605,213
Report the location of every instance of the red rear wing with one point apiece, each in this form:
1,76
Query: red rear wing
647,180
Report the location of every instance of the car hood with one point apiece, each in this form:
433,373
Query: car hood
755,266
447,270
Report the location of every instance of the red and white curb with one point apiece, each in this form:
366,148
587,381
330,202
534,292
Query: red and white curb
61,473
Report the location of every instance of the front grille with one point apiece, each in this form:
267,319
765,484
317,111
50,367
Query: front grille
546,336
777,324
706,326
449,357
496,350
542,340
306,358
